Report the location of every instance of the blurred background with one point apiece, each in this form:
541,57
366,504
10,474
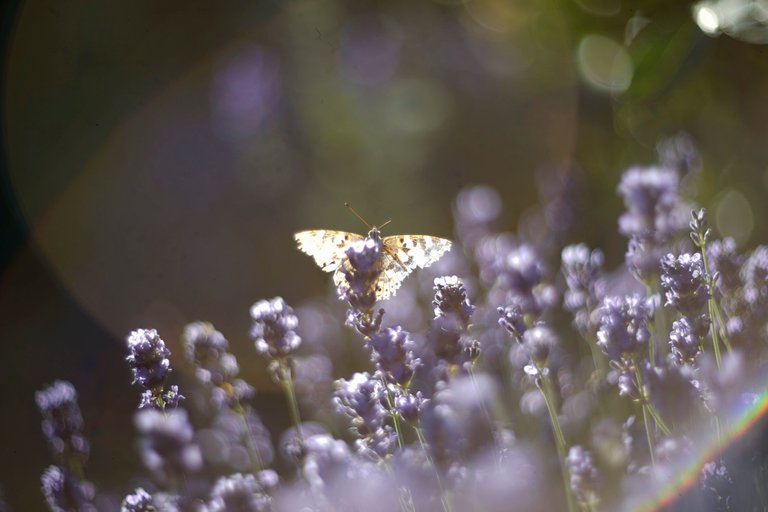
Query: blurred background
158,157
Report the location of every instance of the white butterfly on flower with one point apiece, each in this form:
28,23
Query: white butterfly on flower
400,254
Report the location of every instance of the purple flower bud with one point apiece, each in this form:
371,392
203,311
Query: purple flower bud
685,338
539,341
139,501
393,355
273,330
623,331
148,358
451,299
360,398
684,284
361,273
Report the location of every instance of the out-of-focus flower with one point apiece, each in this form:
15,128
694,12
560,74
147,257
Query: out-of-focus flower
238,492
167,445
585,480
215,367
65,493
582,270
62,423
653,217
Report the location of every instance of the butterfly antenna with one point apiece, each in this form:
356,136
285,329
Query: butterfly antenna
357,215
390,220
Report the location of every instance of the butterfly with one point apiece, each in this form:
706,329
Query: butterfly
400,255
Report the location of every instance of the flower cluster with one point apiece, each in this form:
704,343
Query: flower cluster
149,364
528,383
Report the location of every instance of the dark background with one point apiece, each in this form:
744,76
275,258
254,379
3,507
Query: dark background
158,157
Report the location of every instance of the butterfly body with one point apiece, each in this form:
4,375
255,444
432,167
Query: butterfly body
399,255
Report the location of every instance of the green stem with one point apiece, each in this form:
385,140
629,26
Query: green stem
546,390
647,405
710,302
287,383
253,453
721,326
648,433
393,414
444,498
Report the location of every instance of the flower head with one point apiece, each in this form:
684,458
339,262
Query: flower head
138,501
684,284
167,444
623,328
62,422
393,355
148,358
241,493
64,493
273,330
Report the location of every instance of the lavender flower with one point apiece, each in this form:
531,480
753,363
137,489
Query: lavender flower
148,358
520,275
585,480
215,367
393,355
539,341
65,493
361,273
684,283
685,338
273,330
582,269
653,216
451,299
149,363
241,493
650,195
62,423
208,350
360,398
139,501
409,406
725,262
512,320
167,445
623,328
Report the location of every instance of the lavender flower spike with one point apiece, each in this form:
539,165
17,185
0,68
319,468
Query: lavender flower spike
149,363
62,423
65,493
167,444
623,330
139,501
393,355
273,329
684,284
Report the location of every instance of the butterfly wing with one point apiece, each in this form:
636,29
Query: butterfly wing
326,246
403,254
